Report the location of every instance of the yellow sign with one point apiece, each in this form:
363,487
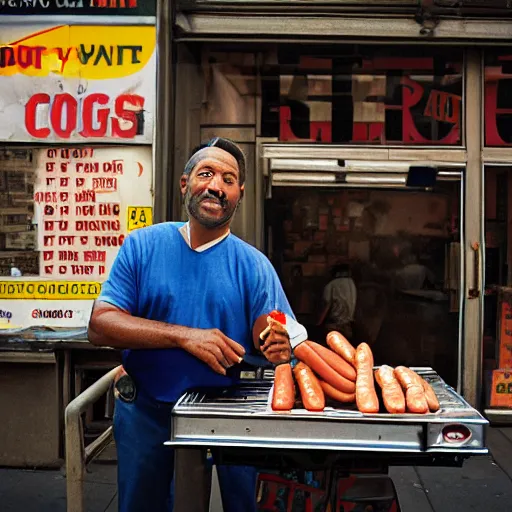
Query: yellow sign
49,290
83,52
139,217
501,391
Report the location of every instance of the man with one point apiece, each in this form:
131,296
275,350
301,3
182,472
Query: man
339,302
413,275
186,302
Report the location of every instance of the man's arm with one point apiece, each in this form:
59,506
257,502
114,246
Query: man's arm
113,327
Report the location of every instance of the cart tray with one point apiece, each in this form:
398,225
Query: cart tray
241,416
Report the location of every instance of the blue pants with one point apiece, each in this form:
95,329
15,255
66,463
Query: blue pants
146,466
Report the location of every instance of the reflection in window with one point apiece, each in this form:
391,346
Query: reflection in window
363,95
498,101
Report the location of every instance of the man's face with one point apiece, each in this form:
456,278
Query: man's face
212,191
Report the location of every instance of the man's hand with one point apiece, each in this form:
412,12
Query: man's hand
277,348
213,348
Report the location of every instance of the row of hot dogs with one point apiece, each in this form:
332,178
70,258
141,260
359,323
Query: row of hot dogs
346,375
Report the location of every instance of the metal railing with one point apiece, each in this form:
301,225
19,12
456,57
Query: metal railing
77,454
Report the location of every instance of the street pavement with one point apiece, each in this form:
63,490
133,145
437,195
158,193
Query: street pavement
483,484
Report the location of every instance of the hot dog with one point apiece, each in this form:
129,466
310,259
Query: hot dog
366,397
414,393
430,395
307,355
339,396
392,394
334,360
337,342
310,390
284,388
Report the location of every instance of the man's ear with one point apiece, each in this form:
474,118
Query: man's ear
183,183
242,190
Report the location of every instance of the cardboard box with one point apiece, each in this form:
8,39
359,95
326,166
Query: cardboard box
501,390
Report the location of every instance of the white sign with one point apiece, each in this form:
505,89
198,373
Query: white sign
52,313
77,83
84,200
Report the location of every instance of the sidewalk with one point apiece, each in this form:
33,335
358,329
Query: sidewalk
484,484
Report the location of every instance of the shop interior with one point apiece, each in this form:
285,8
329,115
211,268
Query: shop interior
497,335
401,249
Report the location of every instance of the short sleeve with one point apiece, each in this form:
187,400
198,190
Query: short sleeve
120,289
268,293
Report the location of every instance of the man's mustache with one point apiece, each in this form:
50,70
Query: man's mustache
213,197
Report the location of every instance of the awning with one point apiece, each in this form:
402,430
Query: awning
291,165
395,20
222,26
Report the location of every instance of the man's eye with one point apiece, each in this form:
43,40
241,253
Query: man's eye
229,181
205,174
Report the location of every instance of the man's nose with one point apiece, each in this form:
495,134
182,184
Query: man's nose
219,193
216,186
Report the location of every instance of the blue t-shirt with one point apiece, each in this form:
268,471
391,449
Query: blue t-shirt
156,275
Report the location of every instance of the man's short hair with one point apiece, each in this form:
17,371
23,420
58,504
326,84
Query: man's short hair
222,143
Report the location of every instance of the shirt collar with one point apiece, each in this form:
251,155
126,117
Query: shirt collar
185,232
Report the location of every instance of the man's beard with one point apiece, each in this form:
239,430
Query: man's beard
192,205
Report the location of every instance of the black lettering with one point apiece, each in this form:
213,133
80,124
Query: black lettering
83,55
102,52
135,58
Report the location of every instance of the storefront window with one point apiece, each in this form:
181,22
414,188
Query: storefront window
340,95
393,259
363,95
498,101
497,341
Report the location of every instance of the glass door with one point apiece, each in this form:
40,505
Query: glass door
372,249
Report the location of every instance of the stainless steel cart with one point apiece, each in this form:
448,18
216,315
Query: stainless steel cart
239,427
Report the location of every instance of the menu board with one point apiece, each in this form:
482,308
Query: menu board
86,201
